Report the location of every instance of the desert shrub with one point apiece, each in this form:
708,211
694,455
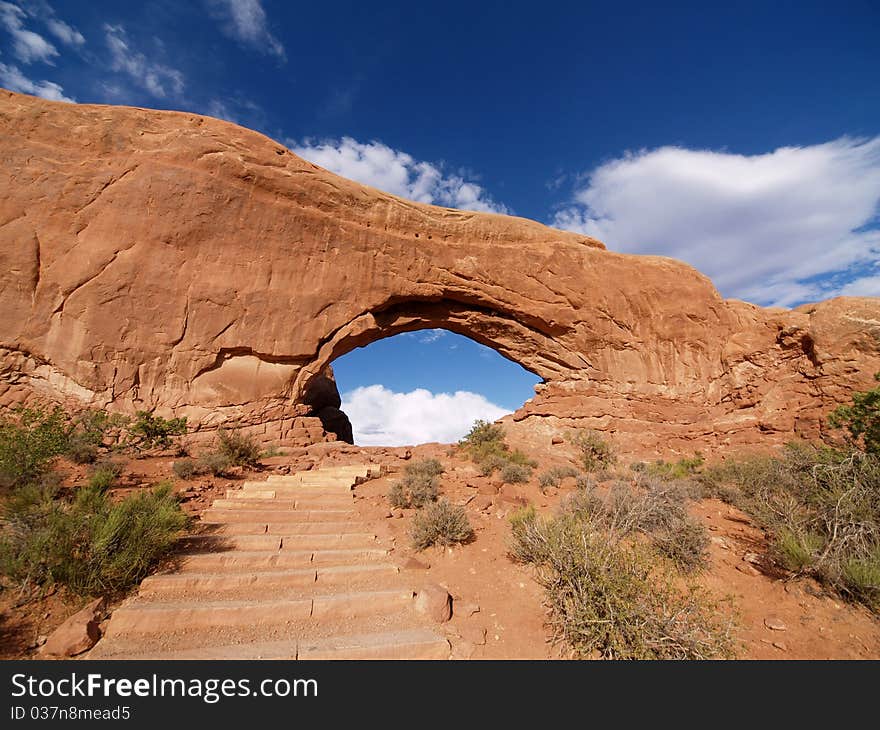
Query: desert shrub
484,441
419,486
81,449
821,509
595,451
150,431
238,448
491,464
515,473
216,463
92,545
861,420
611,597
584,481
440,523
862,578
187,468
481,434
104,475
528,542
485,445
553,477
655,509
29,439
681,469
685,543
88,432
425,469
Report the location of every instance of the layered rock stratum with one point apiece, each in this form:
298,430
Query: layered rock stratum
169,261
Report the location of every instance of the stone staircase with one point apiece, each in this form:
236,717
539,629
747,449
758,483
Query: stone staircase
283,569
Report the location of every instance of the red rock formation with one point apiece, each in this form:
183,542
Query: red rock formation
171,261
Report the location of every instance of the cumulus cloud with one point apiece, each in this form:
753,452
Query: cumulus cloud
781,228
27,45
156,78
395,172
246,22
13,79
381,417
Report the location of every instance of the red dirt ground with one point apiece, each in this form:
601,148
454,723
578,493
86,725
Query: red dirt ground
817,625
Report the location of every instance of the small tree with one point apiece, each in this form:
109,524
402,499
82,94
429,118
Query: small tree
150,431
861,419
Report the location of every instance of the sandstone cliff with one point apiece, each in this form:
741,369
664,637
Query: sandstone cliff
171,261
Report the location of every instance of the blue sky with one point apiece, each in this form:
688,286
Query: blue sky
743,138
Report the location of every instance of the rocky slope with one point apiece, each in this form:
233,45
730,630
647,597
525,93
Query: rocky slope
171,261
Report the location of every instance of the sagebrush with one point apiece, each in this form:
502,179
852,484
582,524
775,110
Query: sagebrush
440,523
611,597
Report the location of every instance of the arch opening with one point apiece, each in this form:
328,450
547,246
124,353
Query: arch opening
425,385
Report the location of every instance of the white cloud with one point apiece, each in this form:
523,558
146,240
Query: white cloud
381,417
769,228
395,172
14,80
67,34
245,20
156,78
27,45
865,286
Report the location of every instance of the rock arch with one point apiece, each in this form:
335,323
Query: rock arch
165,260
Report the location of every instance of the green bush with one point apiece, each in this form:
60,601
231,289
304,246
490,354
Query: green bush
595,450
681,469
150,431
239,449
29,439
861,419
104,476
440,523
485,445
92,545
88,432
611,597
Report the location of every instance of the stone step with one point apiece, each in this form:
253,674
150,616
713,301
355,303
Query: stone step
247,491
314,478
218,582
145,617
291,528
402,644
289,501
265,580
342,486
308,541
225,516
225,543
243,560
285,503
409,644
318,542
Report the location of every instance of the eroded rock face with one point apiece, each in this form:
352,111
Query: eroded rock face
171,261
